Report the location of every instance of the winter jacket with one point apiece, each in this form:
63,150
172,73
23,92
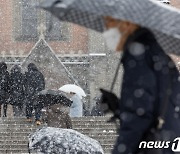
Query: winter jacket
76,109
57,117
16,86
34,81
4,83
147,74
96,111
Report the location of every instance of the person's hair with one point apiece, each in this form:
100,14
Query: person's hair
125,27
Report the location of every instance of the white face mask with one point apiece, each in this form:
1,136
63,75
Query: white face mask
112,37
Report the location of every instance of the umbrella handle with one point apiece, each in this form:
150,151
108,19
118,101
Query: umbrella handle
115,76
29,151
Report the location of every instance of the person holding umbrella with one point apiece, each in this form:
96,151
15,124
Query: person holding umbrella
76,109
76,93
56,104
150,77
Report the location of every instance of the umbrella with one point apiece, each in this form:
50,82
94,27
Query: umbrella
73,88
162,19
64,141
50,97
164,1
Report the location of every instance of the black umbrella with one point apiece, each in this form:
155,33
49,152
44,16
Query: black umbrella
162,19
50,97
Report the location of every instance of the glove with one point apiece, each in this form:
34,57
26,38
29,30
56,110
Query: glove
110,102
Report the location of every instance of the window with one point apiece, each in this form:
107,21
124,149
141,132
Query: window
59,30
27,18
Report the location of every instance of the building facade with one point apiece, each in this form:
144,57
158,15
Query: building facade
83,52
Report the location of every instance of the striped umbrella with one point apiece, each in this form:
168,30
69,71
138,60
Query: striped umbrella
163,20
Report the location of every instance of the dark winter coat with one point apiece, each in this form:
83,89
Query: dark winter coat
96,110
16,86
34,81
58,118
4,83
147,74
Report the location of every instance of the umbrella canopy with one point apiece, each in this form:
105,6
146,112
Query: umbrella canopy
164,1
50,97
162,19
64,141
73,88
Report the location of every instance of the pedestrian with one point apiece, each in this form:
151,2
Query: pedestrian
16,90
34,82
150,86
76,109
4,88
86,112
57,116
96,110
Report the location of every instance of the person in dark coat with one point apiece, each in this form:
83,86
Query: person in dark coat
4,88
148,73
16,90
34,82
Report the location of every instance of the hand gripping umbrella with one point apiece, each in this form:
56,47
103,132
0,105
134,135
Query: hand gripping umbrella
163,20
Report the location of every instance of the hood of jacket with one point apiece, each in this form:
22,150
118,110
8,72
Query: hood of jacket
16,69
32,67
141,35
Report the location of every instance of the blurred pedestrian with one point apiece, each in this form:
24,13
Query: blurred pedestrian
34,82
16,90
4,88
57,116
149,100
96,110
76,109
86,112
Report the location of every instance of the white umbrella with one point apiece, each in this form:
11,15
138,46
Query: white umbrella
73,88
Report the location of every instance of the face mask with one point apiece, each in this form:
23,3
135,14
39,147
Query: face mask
112,37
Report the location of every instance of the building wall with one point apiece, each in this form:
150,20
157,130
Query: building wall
98,73
175,3
77,42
